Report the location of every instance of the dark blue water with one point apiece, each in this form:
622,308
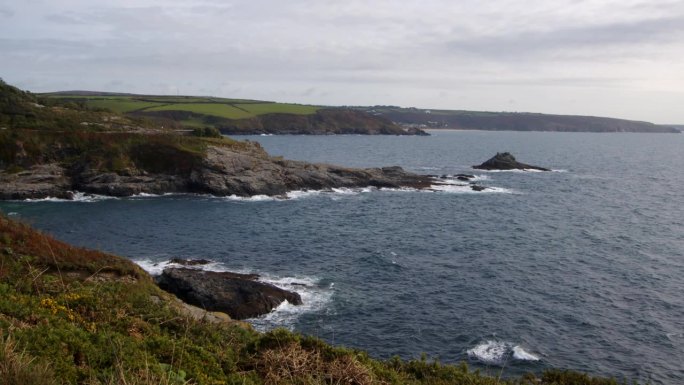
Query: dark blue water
582,268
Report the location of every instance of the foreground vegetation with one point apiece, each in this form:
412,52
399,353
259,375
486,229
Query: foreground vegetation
37,130
75,316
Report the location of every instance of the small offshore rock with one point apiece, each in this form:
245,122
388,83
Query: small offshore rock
506,161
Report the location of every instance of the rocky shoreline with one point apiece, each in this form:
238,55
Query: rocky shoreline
222,171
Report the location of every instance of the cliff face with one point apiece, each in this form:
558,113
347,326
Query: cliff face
508,121
158,164
324,122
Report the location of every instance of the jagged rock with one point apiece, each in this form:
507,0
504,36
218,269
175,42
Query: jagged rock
238,295
223,171
506,161
40,181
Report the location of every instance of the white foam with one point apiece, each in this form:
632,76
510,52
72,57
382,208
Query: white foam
523,171
253,198
314,297
466,189
454,178
156,267
490,352
299,194
499,353
76,197
148,195
520,354
11,214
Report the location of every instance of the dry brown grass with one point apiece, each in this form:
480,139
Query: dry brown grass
18,368
19,239
293,364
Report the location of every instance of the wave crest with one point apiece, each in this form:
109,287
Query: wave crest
498,353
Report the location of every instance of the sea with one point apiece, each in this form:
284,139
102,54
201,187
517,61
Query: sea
579,268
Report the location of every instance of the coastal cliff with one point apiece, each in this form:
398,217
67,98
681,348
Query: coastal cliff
49,149
39,165
324,121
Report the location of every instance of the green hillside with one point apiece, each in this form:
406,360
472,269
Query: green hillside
195,108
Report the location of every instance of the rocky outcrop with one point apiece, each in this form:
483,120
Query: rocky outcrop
506,161
40,181
238,295
223,170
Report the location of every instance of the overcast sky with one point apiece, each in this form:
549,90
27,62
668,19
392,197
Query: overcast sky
620,58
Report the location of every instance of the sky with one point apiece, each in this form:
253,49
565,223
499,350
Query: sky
622,58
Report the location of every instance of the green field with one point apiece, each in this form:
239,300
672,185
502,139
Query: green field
215,109
120,105
233,109
272,108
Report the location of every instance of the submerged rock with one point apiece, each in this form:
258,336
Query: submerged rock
238,295
190,262
506,161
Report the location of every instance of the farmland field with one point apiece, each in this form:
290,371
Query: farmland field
215,109
233,109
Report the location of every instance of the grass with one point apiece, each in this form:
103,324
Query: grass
70,315
121,105
214,109
219,107
280,108
238,111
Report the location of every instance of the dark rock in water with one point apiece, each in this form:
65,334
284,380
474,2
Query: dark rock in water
190,262
506,161
462,178
476,187
465,176
238,295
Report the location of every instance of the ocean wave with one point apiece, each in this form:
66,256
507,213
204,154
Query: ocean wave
253,198
453,178
466,189
523,171
499,353
76,197
315,295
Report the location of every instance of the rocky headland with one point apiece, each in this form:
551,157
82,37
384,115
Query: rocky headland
221,168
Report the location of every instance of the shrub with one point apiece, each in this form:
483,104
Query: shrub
18,368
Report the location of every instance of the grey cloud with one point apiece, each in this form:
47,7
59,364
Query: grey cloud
65,18
597,37
6,12
354,52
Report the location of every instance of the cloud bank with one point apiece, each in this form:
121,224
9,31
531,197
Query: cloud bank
607,58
